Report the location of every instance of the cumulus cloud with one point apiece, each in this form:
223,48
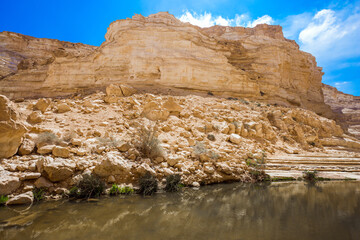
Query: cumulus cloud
208,20
332,35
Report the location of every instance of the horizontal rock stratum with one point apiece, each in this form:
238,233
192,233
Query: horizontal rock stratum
161,53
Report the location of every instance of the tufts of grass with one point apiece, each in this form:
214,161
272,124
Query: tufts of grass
173,183
115,190
148,184
148,144
3,199
310,176
90,186
281,179
48,138
38,194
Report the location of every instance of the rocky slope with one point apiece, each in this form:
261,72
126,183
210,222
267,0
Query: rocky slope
346,106
160,53
204,139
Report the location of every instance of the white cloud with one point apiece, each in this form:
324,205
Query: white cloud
332,35
207,20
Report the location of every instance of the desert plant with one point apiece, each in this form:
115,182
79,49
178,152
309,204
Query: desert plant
148,184
108,142
90,186
38,194
259,175
172,183
47,138
3,199
310,176
74,192
199,148
68,136
148,144
126,190
114,190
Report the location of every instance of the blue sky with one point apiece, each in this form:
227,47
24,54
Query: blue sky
330,30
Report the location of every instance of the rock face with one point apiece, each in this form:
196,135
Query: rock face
160,52
11,131
346,106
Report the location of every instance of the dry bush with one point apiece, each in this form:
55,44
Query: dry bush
148,143
48,138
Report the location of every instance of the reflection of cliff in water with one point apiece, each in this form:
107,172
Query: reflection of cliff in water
231,211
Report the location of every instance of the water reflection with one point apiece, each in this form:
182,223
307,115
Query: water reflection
230,211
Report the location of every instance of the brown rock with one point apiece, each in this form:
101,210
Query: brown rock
34,118
8,184
11,131
113,164
57,169
25,198
42,104
58,151
43,183
63,107
27,147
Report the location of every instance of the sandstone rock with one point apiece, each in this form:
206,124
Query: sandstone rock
25,198
29,176
11,131
57,169
58,151
111,179
155,112
76,142
34,118
43,183
27,147
234,138
45,149
113,164
42,104
123,147
8,184
120,90
63,107
145,168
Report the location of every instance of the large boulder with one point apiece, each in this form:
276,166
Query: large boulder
8,183
57,169
114,164
11,131
114,92
25,198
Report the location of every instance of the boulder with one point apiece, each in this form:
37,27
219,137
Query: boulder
43,183
154,111
25,198
8,184
57,169
58,151
27,147
11,131
34,118
42,104
45,149
235,138
63,107
113,164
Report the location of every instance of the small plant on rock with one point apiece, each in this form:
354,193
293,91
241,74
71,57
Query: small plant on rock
114,190
126,190
148,184
173,183
3,199
148,144
38,194
310,176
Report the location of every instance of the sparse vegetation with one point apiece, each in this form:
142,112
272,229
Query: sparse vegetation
310,176
108,142
48,138
259,175
173,183
68,136
281,179
38,194
90,186
115,190
148,184
148,144
3,199
199,148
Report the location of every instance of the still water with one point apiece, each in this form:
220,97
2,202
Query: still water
327,210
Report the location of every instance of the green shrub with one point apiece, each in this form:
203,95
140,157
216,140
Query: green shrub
126,190
114,190
259,176
310,176
90,186
173,183
148,144
148,184
38,194
3,199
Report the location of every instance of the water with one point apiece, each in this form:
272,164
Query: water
328,210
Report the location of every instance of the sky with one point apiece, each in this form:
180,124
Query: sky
329,30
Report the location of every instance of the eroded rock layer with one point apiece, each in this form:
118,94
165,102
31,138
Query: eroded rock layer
160,52
346,105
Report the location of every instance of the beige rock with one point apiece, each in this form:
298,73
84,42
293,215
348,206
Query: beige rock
113,164
154,111
76,142
172,160
63,107
27,147
11,131
25,198
43,183
58,151
34,118
123,147
111,179
8,184
29,176
234,138
42,104
145,168
57,169
45,149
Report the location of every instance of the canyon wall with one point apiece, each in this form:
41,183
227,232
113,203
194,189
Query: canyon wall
163,54
346,106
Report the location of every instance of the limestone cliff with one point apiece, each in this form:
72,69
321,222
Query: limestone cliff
160,52
346,105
